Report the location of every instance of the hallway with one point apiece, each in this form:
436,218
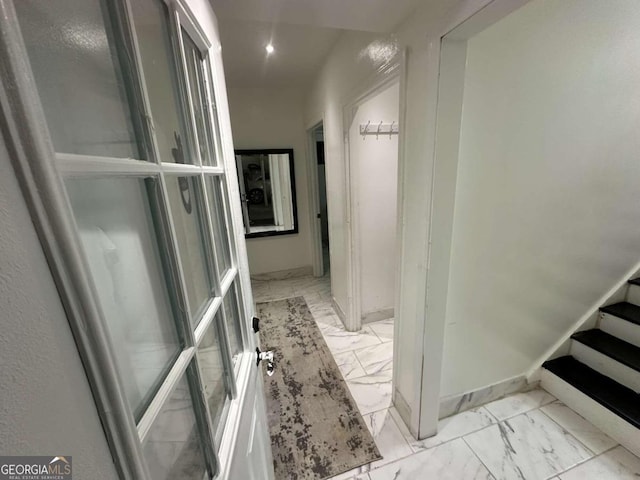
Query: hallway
528,435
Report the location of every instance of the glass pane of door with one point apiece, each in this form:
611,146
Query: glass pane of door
81,86
199,99
233,319
151,20
210,359
185,201
220,217
173,448
120,242
211,92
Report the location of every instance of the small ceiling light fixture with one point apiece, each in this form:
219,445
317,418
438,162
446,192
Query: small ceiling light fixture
269,48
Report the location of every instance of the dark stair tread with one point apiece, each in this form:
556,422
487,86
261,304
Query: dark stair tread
635,281
626,311
624,352
621,400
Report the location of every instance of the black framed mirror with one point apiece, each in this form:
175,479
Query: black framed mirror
267,191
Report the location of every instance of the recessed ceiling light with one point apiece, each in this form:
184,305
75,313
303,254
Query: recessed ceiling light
269,48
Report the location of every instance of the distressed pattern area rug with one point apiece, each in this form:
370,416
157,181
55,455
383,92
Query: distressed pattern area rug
316,429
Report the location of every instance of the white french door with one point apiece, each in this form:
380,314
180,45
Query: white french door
124,129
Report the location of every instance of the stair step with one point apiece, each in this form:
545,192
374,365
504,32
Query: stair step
624,310
635,281
614,320
611,346
608,355
633,293
610,423
619,399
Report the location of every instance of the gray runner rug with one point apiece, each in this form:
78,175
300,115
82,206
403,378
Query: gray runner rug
316,429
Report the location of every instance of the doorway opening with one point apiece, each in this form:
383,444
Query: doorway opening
371,133
317,138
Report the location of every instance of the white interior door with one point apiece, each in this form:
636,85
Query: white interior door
133,96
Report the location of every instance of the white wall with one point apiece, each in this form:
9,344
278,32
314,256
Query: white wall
47,406
273,118
338,77
374,171
348,69
546,208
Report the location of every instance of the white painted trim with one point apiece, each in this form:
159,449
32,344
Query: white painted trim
370,88
487,14
72,165
481,14
207,319
167,387
443,189
183,170
227,280
352,320
396,397
188,20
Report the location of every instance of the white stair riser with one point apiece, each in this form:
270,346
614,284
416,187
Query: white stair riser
607,421
633,295
606,365
627,331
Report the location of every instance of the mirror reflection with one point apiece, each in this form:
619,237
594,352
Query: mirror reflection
267,192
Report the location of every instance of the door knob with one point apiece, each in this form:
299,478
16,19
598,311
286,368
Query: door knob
271,367
268,356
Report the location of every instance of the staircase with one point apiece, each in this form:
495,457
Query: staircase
600,378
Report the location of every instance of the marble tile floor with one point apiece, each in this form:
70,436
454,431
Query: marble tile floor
529,436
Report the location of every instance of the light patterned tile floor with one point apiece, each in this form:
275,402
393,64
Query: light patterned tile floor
528,436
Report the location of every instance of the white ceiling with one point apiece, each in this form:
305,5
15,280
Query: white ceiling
302,32
368,15
299,53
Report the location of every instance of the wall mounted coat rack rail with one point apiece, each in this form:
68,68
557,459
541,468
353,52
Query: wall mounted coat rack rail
379,129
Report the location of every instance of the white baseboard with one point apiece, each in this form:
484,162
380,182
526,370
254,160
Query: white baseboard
404,411
378,315
465,401
339,311
284,274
